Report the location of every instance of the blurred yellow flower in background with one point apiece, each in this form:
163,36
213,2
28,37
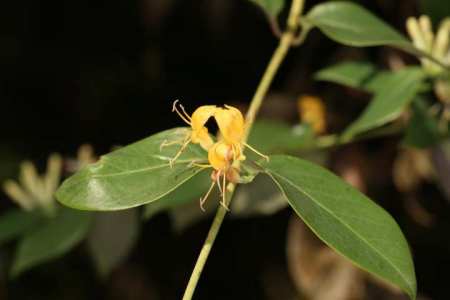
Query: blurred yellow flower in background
312,111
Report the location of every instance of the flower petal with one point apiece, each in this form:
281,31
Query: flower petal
231,124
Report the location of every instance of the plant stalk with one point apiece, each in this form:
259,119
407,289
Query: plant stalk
286,41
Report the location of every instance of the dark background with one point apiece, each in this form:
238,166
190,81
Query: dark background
107,72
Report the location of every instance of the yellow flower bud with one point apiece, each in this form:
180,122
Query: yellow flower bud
220,156
312,111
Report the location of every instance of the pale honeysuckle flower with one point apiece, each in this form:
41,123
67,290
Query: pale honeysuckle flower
436,45
221,154
85,156
34,191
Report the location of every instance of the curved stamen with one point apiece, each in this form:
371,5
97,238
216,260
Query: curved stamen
182,114
185,144
204,198
166,143
201,166
224,188
234,149
218,182
256,151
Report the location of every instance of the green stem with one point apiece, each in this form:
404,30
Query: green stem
286,40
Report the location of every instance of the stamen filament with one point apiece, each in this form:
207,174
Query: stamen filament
204,198
235,154
256,151
186,118
224,188
218,182
185,144
202,166
166,143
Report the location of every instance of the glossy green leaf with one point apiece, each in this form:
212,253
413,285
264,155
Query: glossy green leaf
271,7
15,222
111,239
423,128
394,93
133,175
190,190
351,24
275,137
345,219
51,239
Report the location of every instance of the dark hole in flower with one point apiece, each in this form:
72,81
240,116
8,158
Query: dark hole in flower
212,126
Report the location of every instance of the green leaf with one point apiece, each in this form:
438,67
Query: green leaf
274,137
190,190
345,219
423,129
15,222
272,8
111,239
133,175
353,25
394,92
357,75
50,240
257,198
351,74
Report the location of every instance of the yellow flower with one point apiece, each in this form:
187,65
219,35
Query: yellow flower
200,134
312,111
223,153
221,157
201,115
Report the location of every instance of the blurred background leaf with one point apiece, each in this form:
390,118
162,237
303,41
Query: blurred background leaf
51,239
260,197
397,91
423,128
112,238
352,74
191,190
16,222
277,137
271,7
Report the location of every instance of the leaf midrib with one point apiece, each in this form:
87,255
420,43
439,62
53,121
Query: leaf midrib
140,170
